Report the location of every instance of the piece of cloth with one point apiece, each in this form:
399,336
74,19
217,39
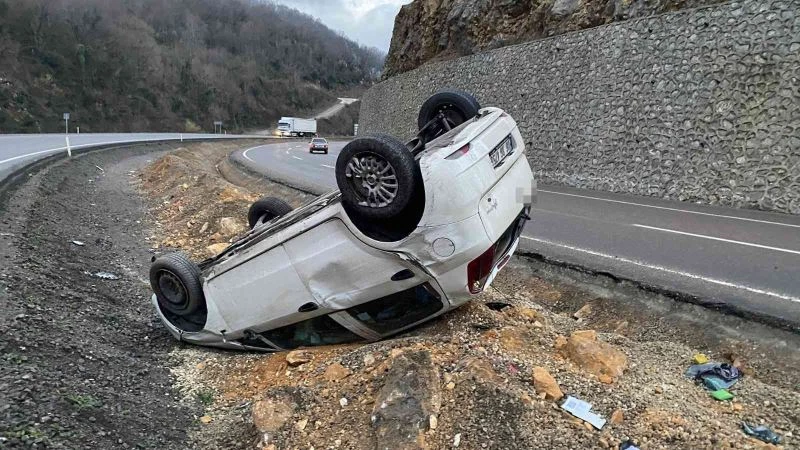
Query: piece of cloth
722,395
714,376
762,433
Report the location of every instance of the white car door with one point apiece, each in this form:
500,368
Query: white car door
264,293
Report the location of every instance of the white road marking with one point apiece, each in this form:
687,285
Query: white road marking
713,238
244,153
297,157
84,145
672,209
668,270
329,167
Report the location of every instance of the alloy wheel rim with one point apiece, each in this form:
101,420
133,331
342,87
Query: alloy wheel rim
373,179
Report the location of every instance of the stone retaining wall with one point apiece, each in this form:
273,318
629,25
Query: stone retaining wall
699,105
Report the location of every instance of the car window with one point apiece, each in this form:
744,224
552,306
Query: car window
398,310
321,330
319,141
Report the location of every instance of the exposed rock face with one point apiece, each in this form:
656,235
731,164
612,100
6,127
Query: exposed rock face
407,404
427,30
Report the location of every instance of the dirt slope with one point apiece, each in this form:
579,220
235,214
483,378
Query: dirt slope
466,379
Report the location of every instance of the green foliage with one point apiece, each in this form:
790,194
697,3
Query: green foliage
205,397
119,65
84,401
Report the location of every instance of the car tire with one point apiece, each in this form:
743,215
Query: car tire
270,207
175,280
377,176
457,106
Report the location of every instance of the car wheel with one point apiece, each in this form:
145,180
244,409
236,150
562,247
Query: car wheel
456,106
175,279
267,209
377,176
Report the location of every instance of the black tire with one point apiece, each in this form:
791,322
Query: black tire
175,279
457,106
270,207
370,193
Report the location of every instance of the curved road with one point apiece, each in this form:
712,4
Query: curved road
17,150
743,259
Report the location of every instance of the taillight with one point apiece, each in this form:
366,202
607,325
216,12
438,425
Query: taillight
458,153
479,269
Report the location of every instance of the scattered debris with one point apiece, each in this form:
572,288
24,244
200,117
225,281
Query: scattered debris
498,306
457,440
722,395
628,445
699,358
762,433
79,243
343,402
714,376
100,169
582,410
103,275
206,419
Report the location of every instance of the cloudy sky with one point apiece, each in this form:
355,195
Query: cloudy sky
368,22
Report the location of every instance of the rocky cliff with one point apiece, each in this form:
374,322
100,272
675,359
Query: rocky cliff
426,30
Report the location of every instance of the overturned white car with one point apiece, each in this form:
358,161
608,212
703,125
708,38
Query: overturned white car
415,230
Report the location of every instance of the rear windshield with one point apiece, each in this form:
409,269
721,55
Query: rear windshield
319,141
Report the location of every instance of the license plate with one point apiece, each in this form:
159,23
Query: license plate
502,151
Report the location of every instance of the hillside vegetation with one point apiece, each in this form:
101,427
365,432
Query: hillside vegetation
135,65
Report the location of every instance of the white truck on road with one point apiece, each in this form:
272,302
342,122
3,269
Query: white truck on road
295,127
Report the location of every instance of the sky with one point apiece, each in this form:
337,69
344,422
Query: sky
368,22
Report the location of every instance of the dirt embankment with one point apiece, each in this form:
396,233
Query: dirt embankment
484,376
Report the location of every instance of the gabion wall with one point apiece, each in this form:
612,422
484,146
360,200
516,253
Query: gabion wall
699,105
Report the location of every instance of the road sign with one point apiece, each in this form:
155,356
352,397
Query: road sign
66,123
66,116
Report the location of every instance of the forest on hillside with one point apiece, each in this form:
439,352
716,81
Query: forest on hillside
135,65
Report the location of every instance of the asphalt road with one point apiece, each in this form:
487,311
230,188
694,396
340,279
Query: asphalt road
740,259
16,150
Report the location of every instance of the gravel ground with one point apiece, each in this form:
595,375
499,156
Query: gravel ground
83,360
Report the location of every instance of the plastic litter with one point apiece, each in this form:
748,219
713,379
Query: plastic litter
722,395
79,243
104,275
628,445
762,433
699,358
582,410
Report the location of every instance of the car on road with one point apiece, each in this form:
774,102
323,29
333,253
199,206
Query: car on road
416,229
318,145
